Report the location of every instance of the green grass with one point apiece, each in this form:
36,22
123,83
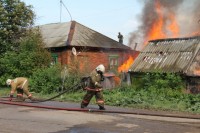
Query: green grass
4,92
128,96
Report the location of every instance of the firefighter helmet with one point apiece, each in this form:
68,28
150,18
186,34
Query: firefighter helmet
100,68
8,81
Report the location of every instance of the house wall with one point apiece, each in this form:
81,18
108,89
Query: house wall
104,57
88,60
66,57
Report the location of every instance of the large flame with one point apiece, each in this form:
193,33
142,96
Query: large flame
161,28
173,26
125,66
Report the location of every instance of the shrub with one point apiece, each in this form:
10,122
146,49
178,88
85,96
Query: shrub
46,80
163,81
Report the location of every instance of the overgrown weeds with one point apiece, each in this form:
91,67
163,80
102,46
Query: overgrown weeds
149,95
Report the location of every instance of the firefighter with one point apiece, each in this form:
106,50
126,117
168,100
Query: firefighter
94,87
120,37
20,85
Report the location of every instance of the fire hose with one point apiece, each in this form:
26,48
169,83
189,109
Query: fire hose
28,104
99,111
61,93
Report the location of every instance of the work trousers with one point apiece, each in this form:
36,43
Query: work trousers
21,91
88,96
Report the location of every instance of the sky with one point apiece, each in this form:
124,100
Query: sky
107,17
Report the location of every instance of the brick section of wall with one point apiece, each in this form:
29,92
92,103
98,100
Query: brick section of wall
89,60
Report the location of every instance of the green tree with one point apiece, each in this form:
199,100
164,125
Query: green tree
15,18
30,56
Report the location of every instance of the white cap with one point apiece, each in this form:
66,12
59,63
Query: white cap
8,81
100,68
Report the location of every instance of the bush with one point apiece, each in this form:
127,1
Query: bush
46,80
163,81
70,79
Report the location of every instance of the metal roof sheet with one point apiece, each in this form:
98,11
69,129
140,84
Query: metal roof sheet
169,55
75,34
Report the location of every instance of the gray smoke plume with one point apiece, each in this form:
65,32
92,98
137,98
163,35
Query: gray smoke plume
186,13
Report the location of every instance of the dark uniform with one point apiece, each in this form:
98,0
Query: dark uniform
94,87
120,36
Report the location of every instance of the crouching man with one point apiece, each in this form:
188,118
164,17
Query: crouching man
20,85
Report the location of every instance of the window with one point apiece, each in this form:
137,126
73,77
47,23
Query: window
113,62
54,58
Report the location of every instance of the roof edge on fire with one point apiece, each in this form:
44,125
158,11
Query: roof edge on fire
172,39
176,55
75,34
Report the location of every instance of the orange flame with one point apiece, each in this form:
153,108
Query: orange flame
159,28
124,67
196,72
173,26
196,33
156,31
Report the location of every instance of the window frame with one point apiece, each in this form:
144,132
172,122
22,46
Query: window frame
115,64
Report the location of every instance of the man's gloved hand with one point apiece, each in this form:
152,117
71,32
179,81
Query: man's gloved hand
11,97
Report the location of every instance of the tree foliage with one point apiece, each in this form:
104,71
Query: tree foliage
15,18
30,56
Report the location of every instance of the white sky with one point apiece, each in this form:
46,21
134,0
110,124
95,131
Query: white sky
105,16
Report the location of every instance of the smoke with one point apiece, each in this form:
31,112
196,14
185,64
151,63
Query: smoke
189,18
185,12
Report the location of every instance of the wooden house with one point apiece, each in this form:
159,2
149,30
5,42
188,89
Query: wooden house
173,55
83,49
73,41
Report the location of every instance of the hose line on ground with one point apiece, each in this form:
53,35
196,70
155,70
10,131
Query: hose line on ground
99,111
61,93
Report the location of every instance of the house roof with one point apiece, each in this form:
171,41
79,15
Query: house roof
170,55
75,34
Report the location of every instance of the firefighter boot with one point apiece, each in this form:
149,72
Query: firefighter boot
20,98
83,106
32,98
101,108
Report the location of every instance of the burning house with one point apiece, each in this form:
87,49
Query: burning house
170,27
177,55
82,48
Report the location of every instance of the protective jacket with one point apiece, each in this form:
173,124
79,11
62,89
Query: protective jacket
21,85
94,87
95,80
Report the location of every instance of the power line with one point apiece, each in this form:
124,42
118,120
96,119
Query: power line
61,3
